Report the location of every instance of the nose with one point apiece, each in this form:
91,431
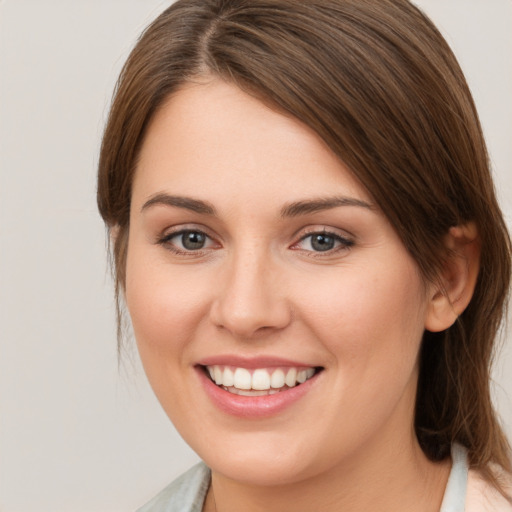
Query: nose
251,297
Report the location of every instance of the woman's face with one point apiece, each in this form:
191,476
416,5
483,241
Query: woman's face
254,255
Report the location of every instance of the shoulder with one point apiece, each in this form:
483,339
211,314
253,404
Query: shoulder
185,494
484,497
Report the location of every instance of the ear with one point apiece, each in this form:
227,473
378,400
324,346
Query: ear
451,294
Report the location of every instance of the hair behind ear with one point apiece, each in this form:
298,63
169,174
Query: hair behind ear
454,400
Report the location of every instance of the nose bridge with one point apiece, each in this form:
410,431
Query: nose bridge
249,298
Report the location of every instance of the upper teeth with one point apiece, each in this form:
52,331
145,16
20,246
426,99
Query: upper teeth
260,379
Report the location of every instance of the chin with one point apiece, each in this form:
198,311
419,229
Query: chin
254,470
262,458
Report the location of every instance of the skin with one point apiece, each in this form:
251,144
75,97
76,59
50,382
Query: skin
258,287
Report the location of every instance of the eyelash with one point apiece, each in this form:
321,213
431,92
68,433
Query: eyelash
344,244
166,242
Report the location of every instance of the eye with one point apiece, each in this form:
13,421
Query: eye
187,240
323,241
320,242
193,240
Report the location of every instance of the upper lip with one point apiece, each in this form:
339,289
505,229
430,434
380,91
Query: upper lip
252,362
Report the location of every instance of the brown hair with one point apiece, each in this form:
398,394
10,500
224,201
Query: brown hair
376,80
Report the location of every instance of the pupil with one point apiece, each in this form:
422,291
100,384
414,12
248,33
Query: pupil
322,242
192,240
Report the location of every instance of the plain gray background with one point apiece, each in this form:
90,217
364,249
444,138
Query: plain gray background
76,433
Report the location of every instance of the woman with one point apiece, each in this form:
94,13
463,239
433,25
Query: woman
307,238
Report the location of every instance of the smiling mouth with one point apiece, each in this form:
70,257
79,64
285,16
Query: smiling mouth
259,381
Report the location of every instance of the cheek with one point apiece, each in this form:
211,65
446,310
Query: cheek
372,325
166,308
362,299
165,304
371,320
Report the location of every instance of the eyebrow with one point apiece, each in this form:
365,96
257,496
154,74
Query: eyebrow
294,209
195,205
298,208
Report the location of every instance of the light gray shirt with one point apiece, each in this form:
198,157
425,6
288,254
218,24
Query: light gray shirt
188,492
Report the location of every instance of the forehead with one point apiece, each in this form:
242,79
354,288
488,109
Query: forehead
213,139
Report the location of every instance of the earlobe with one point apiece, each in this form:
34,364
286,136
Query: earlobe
454,289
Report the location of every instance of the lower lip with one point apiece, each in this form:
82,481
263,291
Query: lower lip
254,406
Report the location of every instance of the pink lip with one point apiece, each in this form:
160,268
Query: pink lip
253,407
252,362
